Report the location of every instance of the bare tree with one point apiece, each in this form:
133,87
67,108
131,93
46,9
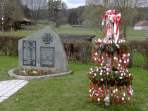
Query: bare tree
10,11
55,7
36,6
106,3
126,7
17,9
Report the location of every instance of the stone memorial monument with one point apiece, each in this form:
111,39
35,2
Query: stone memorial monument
43,50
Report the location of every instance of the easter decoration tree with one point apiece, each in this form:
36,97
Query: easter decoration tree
110,80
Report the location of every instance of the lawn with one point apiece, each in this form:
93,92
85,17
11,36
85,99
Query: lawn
24,32
21,33
67,29
135,34
68,93
6,63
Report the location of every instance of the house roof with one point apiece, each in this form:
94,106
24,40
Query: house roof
27,20
142,23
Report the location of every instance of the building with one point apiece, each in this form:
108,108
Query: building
3,8
142,25
94,2
3,13
142,3
132,3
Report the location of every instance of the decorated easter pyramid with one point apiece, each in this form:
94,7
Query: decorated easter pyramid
110,80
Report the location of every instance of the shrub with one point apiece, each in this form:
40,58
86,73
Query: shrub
9,46
75,50
81,50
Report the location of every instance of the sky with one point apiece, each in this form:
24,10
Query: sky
74,3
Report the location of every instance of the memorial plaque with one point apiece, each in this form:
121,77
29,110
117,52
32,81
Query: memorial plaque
29,53
44,50
47,56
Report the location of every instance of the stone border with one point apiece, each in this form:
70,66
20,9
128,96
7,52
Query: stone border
12,74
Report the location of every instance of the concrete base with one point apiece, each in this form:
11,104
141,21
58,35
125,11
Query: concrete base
12,73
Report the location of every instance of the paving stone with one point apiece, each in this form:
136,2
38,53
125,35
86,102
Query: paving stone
10,87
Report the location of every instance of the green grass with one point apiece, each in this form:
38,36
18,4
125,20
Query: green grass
138,59
6,63
68,93
135,34
67,29
22,33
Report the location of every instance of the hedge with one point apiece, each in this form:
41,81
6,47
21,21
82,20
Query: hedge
9,46
77,50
